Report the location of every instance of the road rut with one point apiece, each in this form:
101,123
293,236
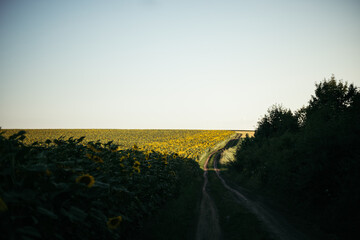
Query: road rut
208,223
273,221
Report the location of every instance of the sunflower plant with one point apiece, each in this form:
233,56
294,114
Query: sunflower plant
60,188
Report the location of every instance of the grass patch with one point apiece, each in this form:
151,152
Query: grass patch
208,151
228,155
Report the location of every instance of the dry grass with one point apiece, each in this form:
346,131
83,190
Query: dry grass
244,132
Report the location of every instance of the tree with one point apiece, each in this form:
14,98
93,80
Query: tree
311,159
277,121
331,99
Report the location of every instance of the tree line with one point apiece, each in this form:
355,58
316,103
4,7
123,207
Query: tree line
310,158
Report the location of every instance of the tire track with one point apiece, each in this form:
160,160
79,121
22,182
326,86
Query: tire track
208,223
273,221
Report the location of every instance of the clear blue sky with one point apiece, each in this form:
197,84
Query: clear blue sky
197,64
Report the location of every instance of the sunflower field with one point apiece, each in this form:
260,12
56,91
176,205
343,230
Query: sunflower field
72,188
187,143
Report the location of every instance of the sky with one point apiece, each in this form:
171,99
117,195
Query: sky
169,64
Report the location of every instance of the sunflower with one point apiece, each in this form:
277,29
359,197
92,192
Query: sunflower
114,222
92,148
48,172
3,206
94,158
86,179
97,159
136,166
116,149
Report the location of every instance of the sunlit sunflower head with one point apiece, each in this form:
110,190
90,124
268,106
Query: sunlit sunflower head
86,179
114,222
118,148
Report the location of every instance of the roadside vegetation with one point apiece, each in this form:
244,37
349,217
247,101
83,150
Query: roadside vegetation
309,160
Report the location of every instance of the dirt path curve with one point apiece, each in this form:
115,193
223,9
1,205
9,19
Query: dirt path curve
208,223
274,222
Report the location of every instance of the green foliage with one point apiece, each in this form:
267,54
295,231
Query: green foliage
277,121
64,190
311,158
333,96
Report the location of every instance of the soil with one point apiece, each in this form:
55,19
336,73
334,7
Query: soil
208,224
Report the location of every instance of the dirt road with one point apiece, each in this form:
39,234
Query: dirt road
276,224
208,224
